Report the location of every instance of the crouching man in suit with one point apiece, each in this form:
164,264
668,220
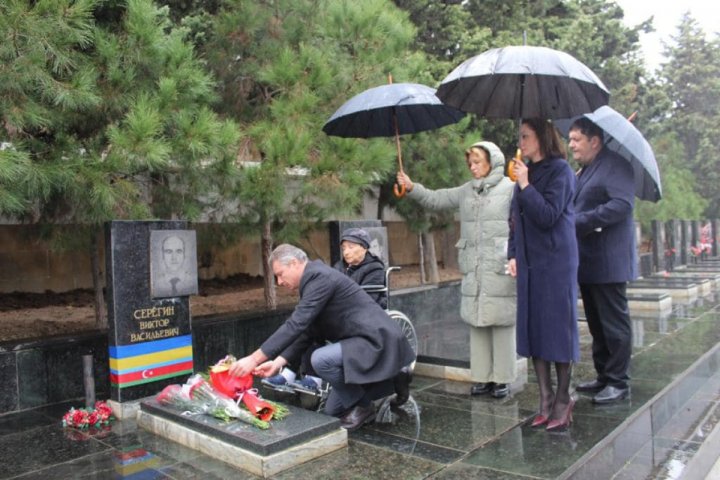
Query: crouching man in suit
367,349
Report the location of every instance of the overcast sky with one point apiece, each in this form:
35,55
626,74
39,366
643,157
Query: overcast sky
667,15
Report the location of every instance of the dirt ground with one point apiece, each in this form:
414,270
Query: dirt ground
33,315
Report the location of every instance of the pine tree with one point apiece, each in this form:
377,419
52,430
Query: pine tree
112,118
285,66
690,78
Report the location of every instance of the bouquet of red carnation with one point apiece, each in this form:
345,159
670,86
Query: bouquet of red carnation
83,418
198,396
240,388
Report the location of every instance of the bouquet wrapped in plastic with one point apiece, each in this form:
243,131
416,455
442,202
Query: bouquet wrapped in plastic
198,396
240,389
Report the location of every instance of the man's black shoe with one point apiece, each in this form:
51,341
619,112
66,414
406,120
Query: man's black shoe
594,386
402,387
357,417
482,388
611,394
500,390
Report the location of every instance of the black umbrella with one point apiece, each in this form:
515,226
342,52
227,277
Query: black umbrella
391,110
622,137
523,82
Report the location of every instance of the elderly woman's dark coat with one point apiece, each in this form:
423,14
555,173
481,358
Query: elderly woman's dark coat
334,308
542,240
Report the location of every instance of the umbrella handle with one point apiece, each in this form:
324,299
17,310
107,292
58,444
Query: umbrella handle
511,165
398,190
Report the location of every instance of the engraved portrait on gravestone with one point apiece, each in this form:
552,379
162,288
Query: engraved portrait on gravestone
173,263
378,243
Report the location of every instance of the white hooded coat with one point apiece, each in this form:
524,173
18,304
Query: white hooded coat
488,291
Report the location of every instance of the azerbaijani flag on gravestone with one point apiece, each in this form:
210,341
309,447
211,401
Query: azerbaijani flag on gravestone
145,362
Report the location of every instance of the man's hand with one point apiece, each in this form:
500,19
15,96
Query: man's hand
243,367
268,369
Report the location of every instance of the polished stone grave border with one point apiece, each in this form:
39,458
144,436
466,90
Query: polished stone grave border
298,438
609,455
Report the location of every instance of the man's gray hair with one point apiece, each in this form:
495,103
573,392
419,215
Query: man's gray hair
285,253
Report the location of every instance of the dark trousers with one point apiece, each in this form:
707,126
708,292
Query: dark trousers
327,362
608,318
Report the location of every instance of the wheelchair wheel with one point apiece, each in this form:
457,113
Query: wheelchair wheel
407,328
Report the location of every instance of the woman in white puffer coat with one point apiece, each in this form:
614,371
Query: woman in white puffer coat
488,291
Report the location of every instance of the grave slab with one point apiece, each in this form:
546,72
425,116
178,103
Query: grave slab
679,292
649,301
704,287
300,437
711,277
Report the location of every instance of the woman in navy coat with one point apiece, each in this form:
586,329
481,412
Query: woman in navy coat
543,255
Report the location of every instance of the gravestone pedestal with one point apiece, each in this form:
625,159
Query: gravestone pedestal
300,437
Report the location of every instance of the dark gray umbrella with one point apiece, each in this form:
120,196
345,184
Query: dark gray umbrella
622,137
391,110
523,82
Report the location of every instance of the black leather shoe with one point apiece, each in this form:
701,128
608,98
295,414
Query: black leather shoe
402,387
594,386
611,394
482,388
500,390
357,417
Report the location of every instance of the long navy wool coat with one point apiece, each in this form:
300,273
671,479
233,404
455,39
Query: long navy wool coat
542,240
334,308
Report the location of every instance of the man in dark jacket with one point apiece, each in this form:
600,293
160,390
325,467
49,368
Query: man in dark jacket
604,202
366,270
368,348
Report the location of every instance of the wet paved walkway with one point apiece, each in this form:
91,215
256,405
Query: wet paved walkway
442,433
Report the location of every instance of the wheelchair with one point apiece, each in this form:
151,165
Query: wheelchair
315,399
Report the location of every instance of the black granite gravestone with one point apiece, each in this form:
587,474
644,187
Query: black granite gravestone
685,242
658,246
695,233
378,235
673,235
150,341
714,235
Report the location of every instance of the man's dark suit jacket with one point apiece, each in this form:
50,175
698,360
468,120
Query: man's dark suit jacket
334,308
604,201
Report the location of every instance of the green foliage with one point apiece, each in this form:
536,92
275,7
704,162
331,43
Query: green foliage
680,199
590,30
107,120
107,111
691,80
285,68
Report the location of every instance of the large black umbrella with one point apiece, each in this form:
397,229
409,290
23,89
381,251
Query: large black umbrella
523,82
391,110
622,137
